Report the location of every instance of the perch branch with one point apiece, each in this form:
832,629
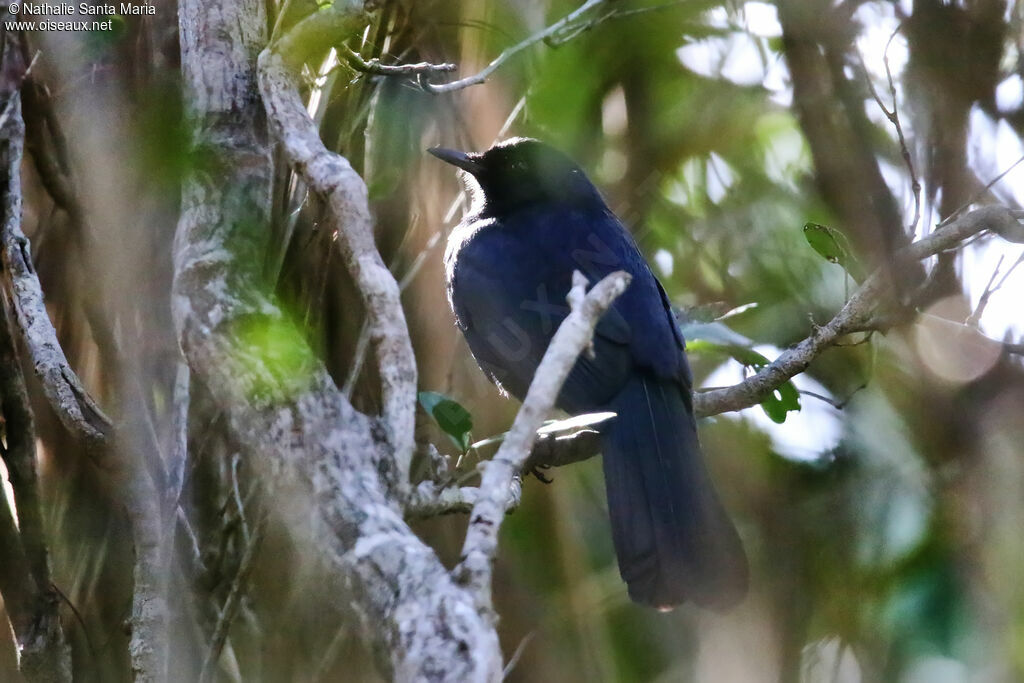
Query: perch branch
557,451
573,337
853,317
429,500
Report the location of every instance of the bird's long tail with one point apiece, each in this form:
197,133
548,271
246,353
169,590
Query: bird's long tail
672,537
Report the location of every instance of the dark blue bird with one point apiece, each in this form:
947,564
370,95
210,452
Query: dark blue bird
534,219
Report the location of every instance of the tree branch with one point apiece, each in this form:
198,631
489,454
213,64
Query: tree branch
852,317
332,177
430,500
557,451
574,336
64,391
375,67
508,53
309,447
25,585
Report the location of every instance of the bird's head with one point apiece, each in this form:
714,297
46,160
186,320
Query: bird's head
519,172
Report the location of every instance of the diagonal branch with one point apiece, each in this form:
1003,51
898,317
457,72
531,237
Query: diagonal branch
64,391
480,77
853,317
858,315
232,602
29,598
332,177
573,337
312,450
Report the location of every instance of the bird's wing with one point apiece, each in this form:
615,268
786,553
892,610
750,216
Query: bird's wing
638,332
508,285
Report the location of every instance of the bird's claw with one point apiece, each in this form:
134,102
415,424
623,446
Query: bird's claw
541,477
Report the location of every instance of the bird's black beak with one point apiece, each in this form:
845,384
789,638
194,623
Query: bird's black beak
470,163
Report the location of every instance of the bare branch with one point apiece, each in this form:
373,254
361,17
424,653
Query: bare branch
29,599
853,316
375,67
148,647
894,118
64,391
991,288
557,451
232,602
510,52
429,500
573,337
333,178
1013,233
315,454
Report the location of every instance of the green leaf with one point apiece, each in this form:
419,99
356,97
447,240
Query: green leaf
824,240
833,246
785,399
451,417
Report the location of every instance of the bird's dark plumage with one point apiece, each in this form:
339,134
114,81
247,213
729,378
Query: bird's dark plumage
535,219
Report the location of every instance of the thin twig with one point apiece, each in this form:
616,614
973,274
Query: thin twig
374,67
974,318
508,53
518,654
232,602
571,32
237,496
331,654
894,117
358,358
979,194
915,184
838,405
